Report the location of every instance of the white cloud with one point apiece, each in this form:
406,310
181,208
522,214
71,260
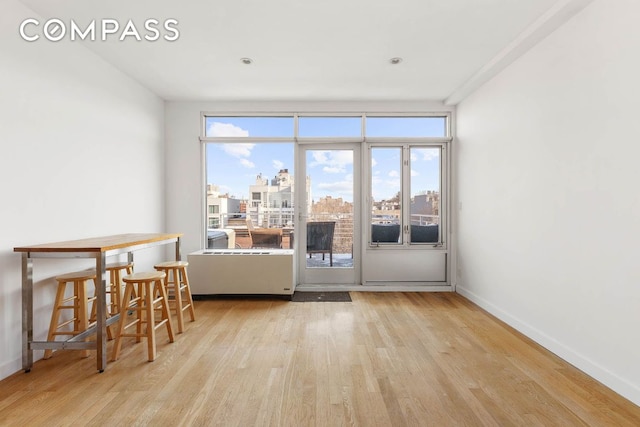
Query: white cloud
333,161
393,174
225,129
329,169
343,157
239,150
247,163
384,189
426,153
393,183
414,173
319,157
344,188
374,163
277,164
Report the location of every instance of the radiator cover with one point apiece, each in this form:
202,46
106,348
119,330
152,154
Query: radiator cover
241,271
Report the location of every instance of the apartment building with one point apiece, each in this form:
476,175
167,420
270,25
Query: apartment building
272,200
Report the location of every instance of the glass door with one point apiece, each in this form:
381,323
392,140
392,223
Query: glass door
328,253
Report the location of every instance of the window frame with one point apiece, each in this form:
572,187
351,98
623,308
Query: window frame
405,192
444,142
447,116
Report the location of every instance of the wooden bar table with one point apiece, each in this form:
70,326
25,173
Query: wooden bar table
98,248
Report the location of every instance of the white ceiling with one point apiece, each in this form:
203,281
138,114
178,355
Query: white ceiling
318,49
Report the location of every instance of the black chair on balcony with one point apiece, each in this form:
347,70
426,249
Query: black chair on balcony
424,233
385,233
320,238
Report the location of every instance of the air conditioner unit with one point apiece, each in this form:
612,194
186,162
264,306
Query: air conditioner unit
241,271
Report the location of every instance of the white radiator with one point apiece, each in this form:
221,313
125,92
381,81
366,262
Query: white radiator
241,271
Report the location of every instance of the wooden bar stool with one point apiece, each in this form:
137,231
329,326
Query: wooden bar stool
77,304
116,284
178,282
144,293
114,290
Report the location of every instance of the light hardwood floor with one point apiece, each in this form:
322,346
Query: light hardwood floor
385,359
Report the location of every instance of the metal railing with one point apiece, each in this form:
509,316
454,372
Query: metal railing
343,233
415,219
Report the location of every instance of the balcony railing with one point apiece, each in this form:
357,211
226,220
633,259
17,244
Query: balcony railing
285,219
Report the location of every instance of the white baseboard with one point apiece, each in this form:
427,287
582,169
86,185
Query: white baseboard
614,382
383,287
10,368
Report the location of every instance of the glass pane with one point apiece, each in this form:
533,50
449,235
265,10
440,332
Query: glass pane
386,195
249,127
406,127
250,182
329,208
425,195
330,126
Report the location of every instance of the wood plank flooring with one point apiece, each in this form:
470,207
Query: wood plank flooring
384,359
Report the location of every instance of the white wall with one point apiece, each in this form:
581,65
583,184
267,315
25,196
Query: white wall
81,155
549,221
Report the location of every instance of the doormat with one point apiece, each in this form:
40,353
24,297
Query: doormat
321,297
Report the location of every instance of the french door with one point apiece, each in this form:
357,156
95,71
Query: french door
329,212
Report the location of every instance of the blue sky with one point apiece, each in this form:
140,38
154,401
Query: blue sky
234,166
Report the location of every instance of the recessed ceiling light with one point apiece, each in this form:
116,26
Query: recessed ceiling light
395,60
246,61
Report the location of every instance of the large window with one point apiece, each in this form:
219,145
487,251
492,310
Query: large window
250,172
250,182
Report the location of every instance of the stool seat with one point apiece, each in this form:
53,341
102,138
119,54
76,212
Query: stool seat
118,265
144,276
144,293
77,275
114,289
116,283
172,264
